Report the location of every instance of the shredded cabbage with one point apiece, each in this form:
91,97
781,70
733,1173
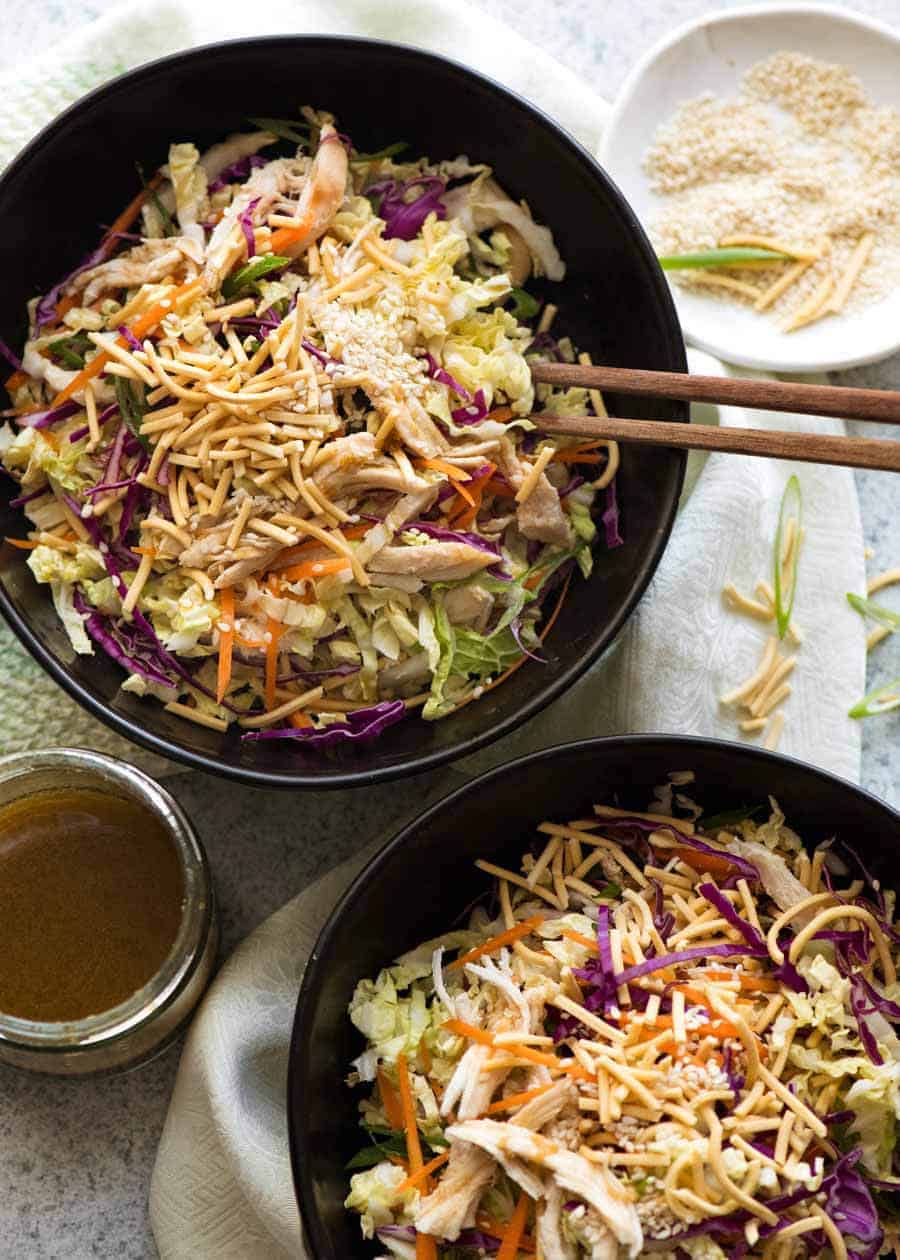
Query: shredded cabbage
374,1195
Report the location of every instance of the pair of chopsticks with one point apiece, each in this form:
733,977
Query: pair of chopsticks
812,448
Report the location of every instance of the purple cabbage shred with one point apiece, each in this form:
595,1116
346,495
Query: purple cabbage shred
403,219
363,725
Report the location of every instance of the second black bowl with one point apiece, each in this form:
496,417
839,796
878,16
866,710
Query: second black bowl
614,303
424,878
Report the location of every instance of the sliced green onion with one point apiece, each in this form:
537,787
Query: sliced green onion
791,505
866,608
283,128
733,257
252,272
131,399
728,817
881,700
523,305
390,151
70,351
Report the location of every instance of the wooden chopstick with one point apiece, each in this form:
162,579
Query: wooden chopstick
813,400
809,448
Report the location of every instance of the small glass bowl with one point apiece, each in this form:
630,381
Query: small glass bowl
145,1023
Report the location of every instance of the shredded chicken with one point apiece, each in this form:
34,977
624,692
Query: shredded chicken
436,562
323,191
553,1243
145,264
540,1111
450,1208
469,606
596,1185
412,423
541,516
782,886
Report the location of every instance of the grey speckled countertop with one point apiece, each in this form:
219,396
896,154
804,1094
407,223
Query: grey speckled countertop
75,1157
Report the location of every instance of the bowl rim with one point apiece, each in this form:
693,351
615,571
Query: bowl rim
624,103
543,695
300,1045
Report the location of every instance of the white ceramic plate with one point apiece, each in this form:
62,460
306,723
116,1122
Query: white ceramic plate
712,55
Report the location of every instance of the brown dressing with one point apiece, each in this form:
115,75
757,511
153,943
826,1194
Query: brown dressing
90,902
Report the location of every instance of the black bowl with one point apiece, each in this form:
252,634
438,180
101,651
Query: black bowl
615,303
424,877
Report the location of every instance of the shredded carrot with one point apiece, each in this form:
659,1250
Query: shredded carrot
289,235
413,1145
489,1225
469,1031
464,516
583,453
16,381
314,569
500,489
425,1058
720,1029
501,413
138,329
63,306
462,1029
509,1247
226,642
356,531
290,554
704,863
275,630
693,994
399,1161
426,1247
300,720
144,551
661,1021
516,1100
463,493
441,465
416,1179
581,940
258,645
390,1101
24,544
525,928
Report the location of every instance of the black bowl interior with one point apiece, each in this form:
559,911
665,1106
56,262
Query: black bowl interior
614,303
424,878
